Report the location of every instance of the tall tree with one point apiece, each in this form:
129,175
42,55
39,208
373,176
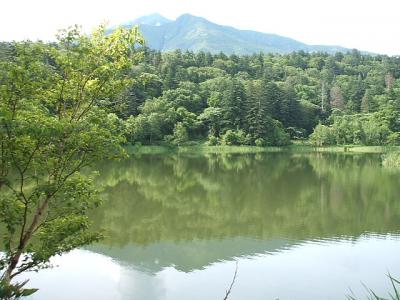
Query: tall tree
336,98
366,102
233,105
256,117
53,124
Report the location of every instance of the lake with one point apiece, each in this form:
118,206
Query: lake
297,226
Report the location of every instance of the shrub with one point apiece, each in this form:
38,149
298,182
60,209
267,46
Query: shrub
212,140
232,137
322,135
259,142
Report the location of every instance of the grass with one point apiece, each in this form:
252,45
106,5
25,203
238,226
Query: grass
394,295
297,147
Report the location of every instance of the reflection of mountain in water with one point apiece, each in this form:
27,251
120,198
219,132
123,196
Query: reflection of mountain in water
191,255
197,254
190,211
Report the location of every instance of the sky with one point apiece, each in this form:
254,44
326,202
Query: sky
369,25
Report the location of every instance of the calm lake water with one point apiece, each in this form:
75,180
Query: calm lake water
299,226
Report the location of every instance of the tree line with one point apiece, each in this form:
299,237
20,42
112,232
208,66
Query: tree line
263,99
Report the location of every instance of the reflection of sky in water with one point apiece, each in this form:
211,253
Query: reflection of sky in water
317,269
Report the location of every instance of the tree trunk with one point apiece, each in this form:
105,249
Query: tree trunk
14,260
7,275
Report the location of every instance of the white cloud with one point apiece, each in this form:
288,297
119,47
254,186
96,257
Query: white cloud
368,25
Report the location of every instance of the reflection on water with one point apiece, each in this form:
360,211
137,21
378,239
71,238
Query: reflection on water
302,226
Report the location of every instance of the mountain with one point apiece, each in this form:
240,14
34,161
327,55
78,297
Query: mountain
193,33
151,20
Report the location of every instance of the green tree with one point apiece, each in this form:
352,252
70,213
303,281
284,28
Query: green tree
366,102
256,118
211,118
234,137
233,105
53,124
180,135
322,136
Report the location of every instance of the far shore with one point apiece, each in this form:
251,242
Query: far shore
295,147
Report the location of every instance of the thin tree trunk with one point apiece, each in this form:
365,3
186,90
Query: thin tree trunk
14,260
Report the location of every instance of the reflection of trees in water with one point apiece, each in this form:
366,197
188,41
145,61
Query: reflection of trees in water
162,198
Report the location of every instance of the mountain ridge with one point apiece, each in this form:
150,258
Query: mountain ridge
193,33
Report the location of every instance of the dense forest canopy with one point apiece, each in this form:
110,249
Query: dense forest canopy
264,99
260,99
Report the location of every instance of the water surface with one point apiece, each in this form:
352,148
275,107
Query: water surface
299,226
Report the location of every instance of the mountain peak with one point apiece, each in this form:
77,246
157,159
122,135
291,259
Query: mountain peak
189,17
153,19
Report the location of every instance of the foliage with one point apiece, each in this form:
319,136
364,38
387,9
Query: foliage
395,295
55,120
360,129
15,291
357,95
180,135
322,136
391,160
212,140
232,137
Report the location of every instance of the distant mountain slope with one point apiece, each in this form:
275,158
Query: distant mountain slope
189,32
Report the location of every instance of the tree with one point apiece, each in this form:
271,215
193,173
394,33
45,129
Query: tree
273,96
256,118
336,98
233,101
211,118
180,135
156,120
232,137
389,81
322,136
366,102
324,102
53,124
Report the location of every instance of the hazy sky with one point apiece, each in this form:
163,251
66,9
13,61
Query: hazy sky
372,25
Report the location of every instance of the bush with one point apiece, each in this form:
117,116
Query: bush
259,142
322,136
375,132
232,137
393,139
296,133
212,140
281,138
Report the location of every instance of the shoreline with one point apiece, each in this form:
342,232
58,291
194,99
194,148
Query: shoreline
223,149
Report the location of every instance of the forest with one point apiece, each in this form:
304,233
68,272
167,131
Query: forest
264,99
183,97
